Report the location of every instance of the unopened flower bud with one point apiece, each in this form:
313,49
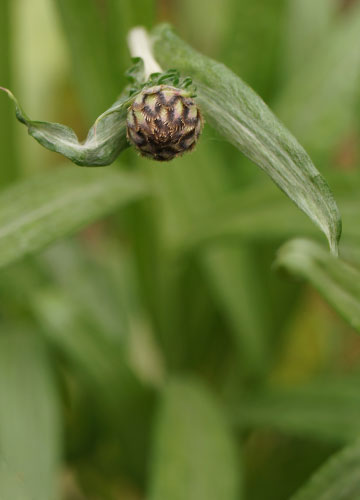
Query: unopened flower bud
163,122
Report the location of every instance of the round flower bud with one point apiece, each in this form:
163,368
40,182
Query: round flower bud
163,122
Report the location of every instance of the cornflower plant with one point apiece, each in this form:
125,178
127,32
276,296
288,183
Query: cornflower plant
165,352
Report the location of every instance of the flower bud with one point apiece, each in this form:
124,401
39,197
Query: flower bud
163,122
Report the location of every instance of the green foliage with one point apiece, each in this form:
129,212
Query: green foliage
28,401
336,280
338,479
198,461
326,409
38,211
189,336
244,119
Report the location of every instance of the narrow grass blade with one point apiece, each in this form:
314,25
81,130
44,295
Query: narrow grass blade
105,140
327,409
194,456
8,170
231,273
338,479
253,49
335,279
86,319
93,63
306,25
318,103
11,484
244,119
29,420
38,211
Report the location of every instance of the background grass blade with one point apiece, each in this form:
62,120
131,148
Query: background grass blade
317,103
338,479
29,461
306,25
326,409
193,456
336,280
38,211
12,485
93,66
8,170
243,118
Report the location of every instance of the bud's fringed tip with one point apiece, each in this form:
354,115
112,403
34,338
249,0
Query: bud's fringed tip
163,122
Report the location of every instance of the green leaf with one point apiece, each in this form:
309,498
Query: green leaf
232,274
254,48
8,151
38,211
11,486
307,23
194,457
244,119
338,479
336,280
85,316
105,140
258,212
29,420
93,64
326,409
318,103
107,137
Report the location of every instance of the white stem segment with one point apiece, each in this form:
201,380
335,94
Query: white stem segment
140,46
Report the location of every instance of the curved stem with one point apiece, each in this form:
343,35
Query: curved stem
140,46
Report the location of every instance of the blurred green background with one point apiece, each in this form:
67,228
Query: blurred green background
158,353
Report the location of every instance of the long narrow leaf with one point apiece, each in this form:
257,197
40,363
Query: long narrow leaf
244,119
8,168
327,409
335,279
94,67
29,420
194,457
338,479
319,102
38,211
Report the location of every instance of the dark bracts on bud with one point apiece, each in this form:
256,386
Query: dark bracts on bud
163,122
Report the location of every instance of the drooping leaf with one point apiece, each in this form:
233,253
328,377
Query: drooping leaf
107,137
29,420
243,118
194,456
260,212
335,279
105,140
337,479
38,211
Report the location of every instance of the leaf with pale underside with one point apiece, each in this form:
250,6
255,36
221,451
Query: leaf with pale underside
105,140
243,118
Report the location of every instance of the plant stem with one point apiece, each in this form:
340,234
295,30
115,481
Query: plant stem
140,46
